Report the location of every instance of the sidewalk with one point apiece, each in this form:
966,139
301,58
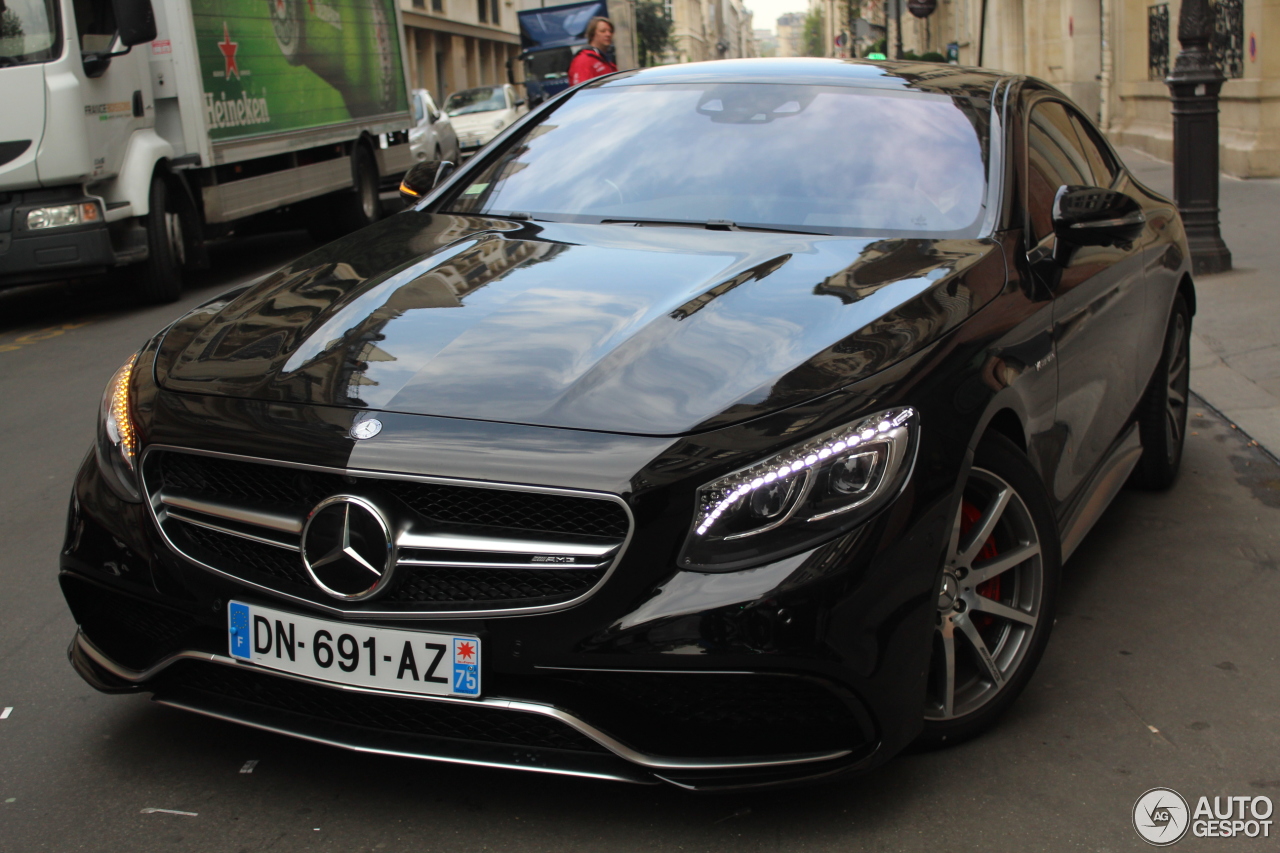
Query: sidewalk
1235,346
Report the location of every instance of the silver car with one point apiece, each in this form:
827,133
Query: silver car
432,136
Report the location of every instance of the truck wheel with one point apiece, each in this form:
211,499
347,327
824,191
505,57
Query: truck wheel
364,206
161,279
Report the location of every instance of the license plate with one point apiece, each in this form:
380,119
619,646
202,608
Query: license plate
392,659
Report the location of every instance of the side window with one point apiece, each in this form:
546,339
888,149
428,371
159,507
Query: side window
96,22
417,109
1101,163
1054,158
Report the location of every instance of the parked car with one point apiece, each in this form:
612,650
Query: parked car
726,424
479,114
432,136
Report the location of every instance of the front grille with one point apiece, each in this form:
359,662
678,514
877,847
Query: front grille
512,510
459,585
280,488
373,712
219,512
246,558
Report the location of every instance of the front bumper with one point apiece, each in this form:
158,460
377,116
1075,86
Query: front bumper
28,257
554,740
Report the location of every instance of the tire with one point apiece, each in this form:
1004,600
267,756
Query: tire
363,206
996,599
1162,414
161,279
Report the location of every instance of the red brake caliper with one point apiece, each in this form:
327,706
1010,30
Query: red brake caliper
969,515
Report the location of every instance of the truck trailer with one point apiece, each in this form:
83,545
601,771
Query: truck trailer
134,130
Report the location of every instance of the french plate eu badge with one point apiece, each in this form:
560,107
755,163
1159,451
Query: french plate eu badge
238,625
466,666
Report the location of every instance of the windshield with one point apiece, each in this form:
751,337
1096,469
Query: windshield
809,158
28,32
480,100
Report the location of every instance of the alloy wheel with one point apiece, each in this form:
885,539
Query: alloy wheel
989,601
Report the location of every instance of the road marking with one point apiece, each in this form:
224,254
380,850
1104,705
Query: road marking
249,765
169,811
4,715
44,334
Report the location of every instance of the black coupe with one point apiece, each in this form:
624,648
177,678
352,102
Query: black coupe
724,424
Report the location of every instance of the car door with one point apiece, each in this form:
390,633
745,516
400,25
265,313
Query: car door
1098,300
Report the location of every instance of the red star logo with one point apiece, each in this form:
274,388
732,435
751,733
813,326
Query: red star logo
466,651
228,48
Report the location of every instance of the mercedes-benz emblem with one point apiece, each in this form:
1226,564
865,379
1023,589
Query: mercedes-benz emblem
347,548
366,429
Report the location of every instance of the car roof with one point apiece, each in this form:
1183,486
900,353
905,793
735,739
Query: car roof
856,73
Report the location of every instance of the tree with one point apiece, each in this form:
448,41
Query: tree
653,32
814,41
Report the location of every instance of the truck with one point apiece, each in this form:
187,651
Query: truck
551,35
136,130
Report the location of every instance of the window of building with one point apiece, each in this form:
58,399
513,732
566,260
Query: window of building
1158,41
493,12
437,6
482,11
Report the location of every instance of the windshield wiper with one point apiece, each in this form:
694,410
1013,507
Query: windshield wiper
711,225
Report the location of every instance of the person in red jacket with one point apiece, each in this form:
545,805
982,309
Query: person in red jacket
590,61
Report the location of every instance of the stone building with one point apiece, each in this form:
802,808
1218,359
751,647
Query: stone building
791,34
710,29
457,44
1111,57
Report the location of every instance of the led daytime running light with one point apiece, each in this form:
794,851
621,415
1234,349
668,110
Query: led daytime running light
119,419
805,456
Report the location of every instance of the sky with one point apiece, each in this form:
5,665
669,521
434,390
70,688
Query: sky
765,13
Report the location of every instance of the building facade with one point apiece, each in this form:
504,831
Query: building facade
710,29
457,44
1111,57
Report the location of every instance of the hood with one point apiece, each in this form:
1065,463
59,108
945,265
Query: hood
22,95
641,330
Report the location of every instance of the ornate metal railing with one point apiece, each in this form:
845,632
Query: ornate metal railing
1158,41
1228,37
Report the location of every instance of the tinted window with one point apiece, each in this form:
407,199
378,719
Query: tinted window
1054,158
479,100
815,158
1101,163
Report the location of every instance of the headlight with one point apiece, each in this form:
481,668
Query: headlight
63,215
804,495
117,446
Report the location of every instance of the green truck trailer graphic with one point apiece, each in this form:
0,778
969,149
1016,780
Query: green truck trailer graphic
278,65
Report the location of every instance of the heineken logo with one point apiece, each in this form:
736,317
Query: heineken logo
236,112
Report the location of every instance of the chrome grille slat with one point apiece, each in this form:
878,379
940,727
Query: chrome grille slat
190,518
445,568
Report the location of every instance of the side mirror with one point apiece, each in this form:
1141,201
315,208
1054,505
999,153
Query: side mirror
1092,216
422,178
135,21
520,102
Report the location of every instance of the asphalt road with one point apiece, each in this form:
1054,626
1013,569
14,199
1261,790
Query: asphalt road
1162,672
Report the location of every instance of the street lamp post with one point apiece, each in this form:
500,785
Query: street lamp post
1194,86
